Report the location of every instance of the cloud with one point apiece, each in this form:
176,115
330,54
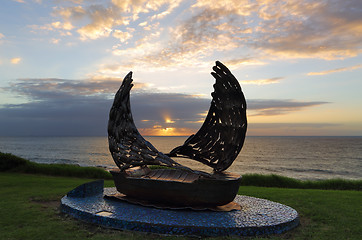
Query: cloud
62,117
2,36
300,29
292,29
71,13
94,21
264,30
64,107
243,61
60,107
294,129
189,43
59,25
173,33
265,107
136,7
297,125
262,81
63,28
15,60
335,70
51,88
241,7
55,40
123,36
75,1
102,21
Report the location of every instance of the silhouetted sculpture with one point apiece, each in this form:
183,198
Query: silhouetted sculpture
216,144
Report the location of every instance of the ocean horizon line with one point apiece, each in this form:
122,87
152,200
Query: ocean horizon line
181,136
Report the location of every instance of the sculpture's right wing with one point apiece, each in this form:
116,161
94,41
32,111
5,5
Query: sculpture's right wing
221,137
127,146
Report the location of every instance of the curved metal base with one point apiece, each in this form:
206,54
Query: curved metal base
179,188
257,216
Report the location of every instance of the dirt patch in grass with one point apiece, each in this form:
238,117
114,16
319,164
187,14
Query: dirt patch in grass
46,204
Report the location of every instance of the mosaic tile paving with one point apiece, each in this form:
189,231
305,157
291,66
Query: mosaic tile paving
258,216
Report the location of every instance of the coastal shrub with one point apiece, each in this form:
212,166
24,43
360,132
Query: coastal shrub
9,161
273,180
336,184
65,170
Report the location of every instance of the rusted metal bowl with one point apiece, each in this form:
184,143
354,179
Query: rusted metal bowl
178,187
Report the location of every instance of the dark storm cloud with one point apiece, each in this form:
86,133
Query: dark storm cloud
86,116
64,107
50,88
59,107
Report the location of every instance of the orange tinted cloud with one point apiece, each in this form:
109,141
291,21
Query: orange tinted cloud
122,36
335,70
243,61
102,21
15,60
158,130
301,29
262,81
239,7
59,25
136,7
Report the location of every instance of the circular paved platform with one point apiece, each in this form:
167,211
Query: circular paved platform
258,216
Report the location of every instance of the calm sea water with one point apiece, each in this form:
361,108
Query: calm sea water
297,157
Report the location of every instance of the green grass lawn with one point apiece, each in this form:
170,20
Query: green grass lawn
29,209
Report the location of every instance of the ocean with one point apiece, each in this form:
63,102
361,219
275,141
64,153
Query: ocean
303,158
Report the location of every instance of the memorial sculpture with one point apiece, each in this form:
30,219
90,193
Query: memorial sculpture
216,144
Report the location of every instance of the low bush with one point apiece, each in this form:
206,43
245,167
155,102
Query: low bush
273,180
9,161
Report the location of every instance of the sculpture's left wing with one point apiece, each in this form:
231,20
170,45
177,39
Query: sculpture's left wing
127,146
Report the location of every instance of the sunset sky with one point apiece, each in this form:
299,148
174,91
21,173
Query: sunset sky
61,62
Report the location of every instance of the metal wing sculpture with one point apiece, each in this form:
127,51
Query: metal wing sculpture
216,144
222,135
